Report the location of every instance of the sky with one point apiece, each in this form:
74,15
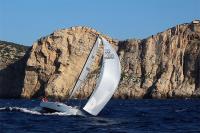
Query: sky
25,21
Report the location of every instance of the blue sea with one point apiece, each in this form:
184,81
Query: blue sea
119,116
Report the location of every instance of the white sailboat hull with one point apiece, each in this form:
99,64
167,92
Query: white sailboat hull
59,107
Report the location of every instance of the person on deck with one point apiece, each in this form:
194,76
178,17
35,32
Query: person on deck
44,99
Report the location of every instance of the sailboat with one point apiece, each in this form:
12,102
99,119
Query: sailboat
106,85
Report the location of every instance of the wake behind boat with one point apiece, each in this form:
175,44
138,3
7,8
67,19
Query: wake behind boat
106,85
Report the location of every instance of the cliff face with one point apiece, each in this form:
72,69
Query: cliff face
12,68
165,65
55,63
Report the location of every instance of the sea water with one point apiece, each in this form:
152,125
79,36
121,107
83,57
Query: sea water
119,116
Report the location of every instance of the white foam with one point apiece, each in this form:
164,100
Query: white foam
3,108
38,111
64,114
24,110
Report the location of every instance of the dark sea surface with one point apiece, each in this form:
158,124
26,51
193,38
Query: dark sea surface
119,116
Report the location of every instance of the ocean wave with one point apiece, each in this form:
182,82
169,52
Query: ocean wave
38,111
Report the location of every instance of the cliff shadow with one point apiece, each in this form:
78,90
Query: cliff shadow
161,69
12,78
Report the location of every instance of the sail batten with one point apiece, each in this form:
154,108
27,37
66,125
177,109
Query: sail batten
107,82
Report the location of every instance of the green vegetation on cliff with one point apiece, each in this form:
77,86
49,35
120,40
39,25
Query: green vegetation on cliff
11,52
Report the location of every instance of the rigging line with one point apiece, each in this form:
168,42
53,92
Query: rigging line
83,67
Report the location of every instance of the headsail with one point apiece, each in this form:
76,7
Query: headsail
86,67
108,80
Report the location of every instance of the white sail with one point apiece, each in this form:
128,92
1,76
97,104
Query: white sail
108,80
86,67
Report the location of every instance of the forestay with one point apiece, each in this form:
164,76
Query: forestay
107,82
86,67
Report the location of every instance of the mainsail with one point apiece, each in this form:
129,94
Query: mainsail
108,80
86,68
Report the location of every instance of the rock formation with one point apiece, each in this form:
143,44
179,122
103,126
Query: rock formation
12,68
55,63
165,65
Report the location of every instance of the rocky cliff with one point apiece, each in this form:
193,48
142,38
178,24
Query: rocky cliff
55,63
12,68
164,65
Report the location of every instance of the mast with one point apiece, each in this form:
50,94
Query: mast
86,67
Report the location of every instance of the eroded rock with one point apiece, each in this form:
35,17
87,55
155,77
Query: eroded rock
56,61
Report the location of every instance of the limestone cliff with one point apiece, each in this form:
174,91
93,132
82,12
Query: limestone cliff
56,61
164,65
